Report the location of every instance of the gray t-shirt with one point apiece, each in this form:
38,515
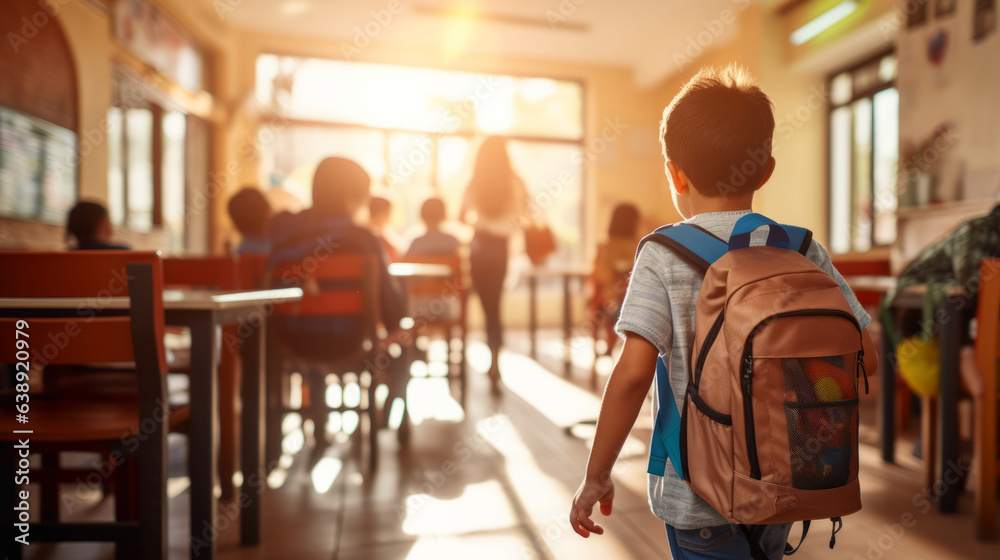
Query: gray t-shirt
660,307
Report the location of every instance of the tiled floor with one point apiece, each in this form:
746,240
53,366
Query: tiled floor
494,482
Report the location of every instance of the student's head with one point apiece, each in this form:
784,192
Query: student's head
716,135
89,222
340,188
624,222
433,213
379,211
250,212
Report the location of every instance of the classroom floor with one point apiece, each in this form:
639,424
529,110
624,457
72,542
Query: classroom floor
495,482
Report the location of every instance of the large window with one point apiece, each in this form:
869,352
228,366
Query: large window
416,130
149,172
864,155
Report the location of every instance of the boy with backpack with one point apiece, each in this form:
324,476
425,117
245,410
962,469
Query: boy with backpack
757,351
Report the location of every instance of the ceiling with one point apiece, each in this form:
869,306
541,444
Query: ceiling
644,35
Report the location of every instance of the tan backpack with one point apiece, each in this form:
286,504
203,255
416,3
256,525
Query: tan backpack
769,427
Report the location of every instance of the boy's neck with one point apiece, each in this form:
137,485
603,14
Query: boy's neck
705,205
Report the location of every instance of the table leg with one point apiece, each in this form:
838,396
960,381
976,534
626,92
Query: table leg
951,340
252,436
887,399
228,419
567,328
533,314
203,436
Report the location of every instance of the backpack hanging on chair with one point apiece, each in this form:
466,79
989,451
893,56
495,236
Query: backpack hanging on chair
770,415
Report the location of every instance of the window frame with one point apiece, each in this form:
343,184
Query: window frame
856,95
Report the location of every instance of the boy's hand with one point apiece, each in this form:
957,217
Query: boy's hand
590,493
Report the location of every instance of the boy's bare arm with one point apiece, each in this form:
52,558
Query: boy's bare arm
623,398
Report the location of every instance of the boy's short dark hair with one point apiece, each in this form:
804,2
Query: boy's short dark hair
250,211
718,130
84,219
433,212
340,187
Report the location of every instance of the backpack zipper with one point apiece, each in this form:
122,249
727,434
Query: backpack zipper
713,333
746,377
747,382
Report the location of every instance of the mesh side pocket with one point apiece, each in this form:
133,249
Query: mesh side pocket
820,438
821,407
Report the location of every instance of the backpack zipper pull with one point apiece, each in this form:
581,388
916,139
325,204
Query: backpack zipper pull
861,368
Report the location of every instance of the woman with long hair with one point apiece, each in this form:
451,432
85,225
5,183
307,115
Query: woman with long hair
498,197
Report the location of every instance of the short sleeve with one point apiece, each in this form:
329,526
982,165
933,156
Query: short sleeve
646,309
819,255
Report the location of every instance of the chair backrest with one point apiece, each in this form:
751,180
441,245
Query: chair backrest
864,267
86,331
204,272
438,286
252,268
988,324
334,286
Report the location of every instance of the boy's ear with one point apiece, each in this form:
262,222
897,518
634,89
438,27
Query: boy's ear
767,174
678,180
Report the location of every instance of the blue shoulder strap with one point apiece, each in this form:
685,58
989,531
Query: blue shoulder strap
700,249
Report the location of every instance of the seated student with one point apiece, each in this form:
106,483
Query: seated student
435,241
614,264
379,213
89,224
251,214
340,190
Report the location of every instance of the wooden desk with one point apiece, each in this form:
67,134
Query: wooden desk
203,311
950,322
568,274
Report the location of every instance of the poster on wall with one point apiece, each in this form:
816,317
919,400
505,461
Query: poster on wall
984,19
943,8
158,40
916,13
37,168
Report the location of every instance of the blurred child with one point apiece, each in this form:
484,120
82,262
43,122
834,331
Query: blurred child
88,223
614,264
379,214
251,214
435,241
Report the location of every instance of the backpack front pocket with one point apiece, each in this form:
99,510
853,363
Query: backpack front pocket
821,408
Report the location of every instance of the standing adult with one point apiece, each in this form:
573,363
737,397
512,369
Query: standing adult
498,197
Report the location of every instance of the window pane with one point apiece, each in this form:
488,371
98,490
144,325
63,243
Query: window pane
139,136
886,162
840,180
553,175
862,220
174,132
419,99
410,179
116,173
841,88
290,154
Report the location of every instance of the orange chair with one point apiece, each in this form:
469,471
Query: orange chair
432,311
354,296
985,398
132,432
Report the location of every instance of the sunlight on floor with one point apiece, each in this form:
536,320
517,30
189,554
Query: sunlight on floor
430,399
428,515
536,385
325,473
